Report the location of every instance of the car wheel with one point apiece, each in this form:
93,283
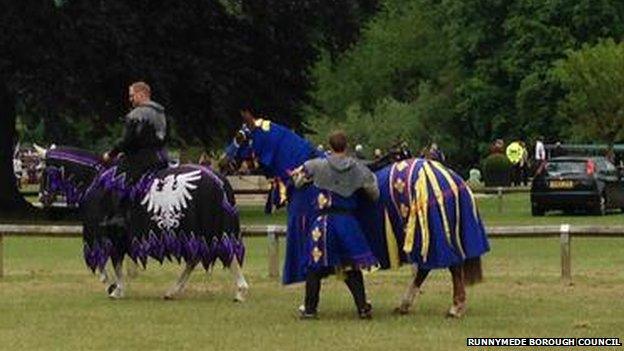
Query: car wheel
601,207
537,211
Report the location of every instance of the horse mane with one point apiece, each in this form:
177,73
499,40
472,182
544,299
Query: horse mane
76,151
75,155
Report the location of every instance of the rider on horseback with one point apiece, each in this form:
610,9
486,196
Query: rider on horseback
142,143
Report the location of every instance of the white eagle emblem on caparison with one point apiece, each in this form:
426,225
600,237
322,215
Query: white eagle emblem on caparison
168,197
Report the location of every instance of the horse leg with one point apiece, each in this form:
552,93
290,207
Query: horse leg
132,270
103,275
116,290
241,283
412,291
178,287
458,308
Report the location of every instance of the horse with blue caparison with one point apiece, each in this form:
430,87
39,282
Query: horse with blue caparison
184,213
426,215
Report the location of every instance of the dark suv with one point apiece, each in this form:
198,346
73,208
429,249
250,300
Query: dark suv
577,183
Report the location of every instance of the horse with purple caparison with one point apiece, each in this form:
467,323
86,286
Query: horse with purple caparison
185,213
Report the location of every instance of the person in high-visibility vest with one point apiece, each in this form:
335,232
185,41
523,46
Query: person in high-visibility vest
515,153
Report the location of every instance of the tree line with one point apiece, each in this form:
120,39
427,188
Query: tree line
65,65
463,73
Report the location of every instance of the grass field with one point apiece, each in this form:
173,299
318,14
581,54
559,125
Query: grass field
516,211
48,300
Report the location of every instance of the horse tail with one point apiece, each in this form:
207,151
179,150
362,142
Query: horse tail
473,272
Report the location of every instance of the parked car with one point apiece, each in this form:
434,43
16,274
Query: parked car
585,183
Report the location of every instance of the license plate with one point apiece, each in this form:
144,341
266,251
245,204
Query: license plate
561,184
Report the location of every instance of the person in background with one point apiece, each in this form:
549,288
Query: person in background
540,153
18,170
204,160
524,164
377,154
558,151
359,151
498,147
435,153
610,154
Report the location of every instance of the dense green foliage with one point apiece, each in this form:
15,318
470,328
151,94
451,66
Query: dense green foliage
468,72
65,66
69,66
496,170
594,79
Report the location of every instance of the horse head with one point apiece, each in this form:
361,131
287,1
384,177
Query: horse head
397,152
275,148
67,172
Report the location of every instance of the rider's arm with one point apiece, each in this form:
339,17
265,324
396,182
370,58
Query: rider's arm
128,137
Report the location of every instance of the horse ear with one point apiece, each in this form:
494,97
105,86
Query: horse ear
40,150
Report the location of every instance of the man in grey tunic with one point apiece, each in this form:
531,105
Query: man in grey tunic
336,242
141,148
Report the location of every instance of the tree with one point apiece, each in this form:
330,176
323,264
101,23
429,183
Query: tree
486,63
594,79
66,64
23,24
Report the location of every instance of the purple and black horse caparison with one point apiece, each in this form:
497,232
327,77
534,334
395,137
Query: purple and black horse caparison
185,213
426,214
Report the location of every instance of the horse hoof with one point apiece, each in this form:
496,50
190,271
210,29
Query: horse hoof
116,294
114,291
168,297
402,310
456,311
111,288
240,295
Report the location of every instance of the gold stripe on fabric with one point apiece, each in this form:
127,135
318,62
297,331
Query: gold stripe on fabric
419,209
439,196
422,196
282,192
393,247
472,202
455,190
410,228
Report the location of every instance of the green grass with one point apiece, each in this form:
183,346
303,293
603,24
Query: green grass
48,300
517,211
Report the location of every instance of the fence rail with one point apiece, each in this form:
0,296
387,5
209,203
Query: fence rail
565,233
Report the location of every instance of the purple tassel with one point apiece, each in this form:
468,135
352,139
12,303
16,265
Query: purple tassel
172,245
105,251
225,250
89,257
211,256
191,249
157,247
203,253
145,250
239,250
135,250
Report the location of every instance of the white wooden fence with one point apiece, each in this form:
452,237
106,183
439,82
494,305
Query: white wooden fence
565,233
